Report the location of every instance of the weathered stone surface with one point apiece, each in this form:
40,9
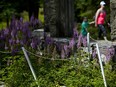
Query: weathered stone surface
113,19
59,17
38,33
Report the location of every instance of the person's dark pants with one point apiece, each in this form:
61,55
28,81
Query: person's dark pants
101,29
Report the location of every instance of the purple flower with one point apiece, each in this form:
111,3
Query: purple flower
34,43
58,46
75,33
13,33
94,53
21,20
84,41
71,43
67,50
32,19
110,53
14,51
11,41
6,31
62,54
17,41
79,41
48,41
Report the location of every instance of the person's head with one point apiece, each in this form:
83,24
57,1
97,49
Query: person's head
85,19
102,4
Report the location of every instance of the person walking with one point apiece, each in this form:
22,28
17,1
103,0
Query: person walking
84,27
100,18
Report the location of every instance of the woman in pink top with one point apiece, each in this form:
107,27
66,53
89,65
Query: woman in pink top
100,19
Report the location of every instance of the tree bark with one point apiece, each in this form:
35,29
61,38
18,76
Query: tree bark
33,8
59,17
113,19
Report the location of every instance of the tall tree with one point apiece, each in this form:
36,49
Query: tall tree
32,6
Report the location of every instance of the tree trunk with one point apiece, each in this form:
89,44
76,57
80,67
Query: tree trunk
113,19
33,8
59,17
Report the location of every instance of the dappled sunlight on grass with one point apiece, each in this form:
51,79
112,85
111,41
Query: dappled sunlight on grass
41,15
2,25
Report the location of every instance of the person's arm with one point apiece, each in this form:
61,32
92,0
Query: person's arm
92,22
107,22
96,16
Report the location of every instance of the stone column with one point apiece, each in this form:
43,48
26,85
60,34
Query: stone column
113,19
59,17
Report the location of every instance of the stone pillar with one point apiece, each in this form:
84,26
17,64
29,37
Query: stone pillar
113,19
59,17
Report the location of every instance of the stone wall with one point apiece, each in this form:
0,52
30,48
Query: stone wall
113,19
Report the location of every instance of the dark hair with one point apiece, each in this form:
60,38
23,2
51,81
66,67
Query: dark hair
85,19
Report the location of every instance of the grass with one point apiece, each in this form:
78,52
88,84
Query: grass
41,15
24,14
2,25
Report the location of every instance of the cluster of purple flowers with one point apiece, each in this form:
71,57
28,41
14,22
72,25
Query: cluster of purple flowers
19,34
110,53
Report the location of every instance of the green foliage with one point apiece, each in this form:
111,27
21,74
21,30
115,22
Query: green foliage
77,72
88,8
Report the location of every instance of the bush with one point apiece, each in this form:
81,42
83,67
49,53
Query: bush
78,72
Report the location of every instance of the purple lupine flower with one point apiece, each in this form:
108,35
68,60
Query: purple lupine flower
29,34
21,42
21,19
62,54
13,24
25,27
19,25
48,41
17,41
34,43
71,43
108,56
94,53
110,53
32,19
58,46
75,33
13,33
65,47
84,41
35,22
2,37
11,41
6,31
14,51
79,41
66,50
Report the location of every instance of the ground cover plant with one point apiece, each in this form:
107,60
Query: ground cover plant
55,64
